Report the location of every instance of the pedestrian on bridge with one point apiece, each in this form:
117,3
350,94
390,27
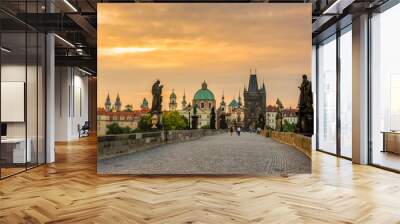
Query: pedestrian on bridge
231,130
238,131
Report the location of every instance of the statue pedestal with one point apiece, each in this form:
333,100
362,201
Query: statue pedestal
305,123
155,121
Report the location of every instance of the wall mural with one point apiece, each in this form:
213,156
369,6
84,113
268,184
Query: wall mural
204,89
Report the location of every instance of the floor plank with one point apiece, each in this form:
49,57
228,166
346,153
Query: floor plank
70,191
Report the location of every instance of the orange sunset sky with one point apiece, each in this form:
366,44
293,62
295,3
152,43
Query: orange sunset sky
184,44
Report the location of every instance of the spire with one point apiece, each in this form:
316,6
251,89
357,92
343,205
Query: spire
184,100
253,85
239,100
222,104
204,85
107,104
172,101
117,104
172,95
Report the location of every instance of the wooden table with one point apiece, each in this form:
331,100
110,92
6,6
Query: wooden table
391,141
13,150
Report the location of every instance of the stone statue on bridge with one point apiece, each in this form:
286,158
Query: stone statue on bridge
305,114
156,104
156,91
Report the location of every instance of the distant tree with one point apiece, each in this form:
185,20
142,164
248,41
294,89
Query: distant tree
212,118
288,127
115,129
222,122
128,108
144,123
207,126
172,120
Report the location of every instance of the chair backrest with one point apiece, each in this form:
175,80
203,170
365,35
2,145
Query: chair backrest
86,125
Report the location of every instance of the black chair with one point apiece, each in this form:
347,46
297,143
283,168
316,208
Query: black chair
84,130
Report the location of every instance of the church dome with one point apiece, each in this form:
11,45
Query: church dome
233,104
204,93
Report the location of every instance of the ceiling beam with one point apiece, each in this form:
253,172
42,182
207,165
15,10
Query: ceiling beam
85,25
77,61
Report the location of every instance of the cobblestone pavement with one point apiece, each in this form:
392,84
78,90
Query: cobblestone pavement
221,154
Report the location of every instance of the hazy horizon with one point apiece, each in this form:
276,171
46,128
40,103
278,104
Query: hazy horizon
185,44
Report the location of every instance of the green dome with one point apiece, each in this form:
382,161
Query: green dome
204,93
233,104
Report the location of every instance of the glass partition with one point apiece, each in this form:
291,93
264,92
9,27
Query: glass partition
13,88
385,89
346,92
22,94
327,95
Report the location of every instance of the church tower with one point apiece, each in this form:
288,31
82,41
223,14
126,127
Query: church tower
107,104
240,101
145,104
172,101
255,100
222,105
117,104
184,103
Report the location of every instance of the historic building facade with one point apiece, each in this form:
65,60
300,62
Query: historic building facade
113,113
234,112
122,118
288,115
255,98
204,99
270,116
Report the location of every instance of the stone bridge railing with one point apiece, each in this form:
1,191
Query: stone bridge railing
109,146
300,142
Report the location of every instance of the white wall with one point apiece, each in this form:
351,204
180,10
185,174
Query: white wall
33,126
13,73
71,103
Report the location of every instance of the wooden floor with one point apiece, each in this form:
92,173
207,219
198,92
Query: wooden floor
70,191
387,159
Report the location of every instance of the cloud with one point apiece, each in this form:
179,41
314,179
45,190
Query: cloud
124,50
183,44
